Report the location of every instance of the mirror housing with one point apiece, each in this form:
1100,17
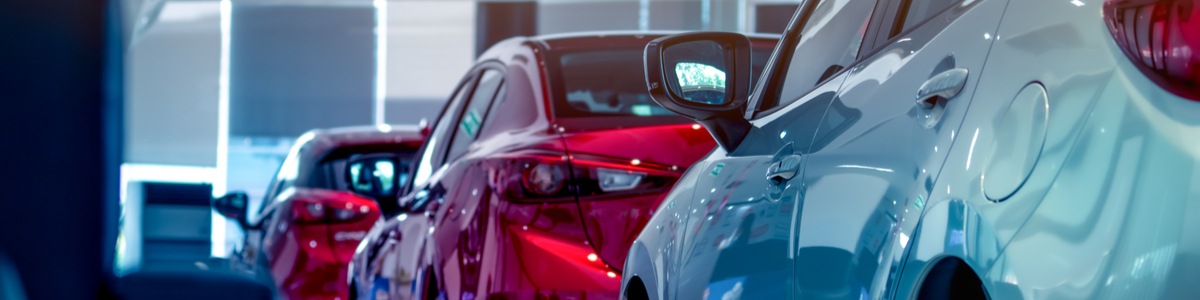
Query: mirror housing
724,119
234,206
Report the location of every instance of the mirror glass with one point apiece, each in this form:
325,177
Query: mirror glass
699,68
373,177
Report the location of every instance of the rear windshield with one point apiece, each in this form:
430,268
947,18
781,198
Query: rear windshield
612,83
603,83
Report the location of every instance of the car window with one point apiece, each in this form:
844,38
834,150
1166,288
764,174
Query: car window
471,121
514,101
608,82
285,177
336,170
920,10
827,44
435,145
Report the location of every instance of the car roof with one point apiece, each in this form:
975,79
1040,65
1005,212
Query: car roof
321,141
589,39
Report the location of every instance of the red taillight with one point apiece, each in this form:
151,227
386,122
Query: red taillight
546,177
1162,37
328,212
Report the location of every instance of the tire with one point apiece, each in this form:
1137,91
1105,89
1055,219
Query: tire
636,290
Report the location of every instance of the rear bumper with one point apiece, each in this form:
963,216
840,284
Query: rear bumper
318,280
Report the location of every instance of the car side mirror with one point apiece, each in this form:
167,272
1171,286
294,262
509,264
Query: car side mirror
704,76
376,176
234,206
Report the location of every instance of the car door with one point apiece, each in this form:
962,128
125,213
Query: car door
866,184
454,189
396,256
738,234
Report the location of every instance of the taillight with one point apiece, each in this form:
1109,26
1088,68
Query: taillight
611,180
306,211
543,177
1162,37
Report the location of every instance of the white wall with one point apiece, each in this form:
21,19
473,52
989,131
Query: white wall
171,87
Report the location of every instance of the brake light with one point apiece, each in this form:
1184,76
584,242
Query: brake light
310,211
1162,37
543,177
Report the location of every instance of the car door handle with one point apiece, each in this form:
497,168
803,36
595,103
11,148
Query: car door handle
784,169
784,165
944,85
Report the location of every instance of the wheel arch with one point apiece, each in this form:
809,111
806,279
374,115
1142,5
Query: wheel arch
640,269
951,236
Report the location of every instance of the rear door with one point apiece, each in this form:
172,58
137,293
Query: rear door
867,183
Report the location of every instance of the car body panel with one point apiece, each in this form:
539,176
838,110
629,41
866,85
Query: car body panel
1071,176
612,224
1108,209
865,186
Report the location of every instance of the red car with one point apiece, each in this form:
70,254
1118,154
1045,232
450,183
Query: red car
545,164
322,201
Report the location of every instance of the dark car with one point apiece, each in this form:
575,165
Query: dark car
546,162
326,195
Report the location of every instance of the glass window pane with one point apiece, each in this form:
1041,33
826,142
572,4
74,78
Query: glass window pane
827,45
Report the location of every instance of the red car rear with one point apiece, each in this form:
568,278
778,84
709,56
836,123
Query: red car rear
327,194
543,167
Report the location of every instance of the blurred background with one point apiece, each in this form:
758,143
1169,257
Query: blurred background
217,91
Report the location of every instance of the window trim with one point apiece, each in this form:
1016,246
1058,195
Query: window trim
899,23
791,36
477,73
467,86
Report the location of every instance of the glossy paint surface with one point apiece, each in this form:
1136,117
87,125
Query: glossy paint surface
473,230
612,224
1059,171
307,259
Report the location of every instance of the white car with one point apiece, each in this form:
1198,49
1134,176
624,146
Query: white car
937,149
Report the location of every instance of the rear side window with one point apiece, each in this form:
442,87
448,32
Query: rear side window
476,111
917,11
828,43
435,145
515,102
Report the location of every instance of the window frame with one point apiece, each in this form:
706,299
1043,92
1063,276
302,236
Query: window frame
785,52
500,86
870,46
448,113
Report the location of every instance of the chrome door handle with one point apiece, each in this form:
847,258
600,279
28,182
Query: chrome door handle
944,85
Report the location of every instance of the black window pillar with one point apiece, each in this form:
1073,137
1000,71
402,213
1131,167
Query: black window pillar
774,17
499,20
